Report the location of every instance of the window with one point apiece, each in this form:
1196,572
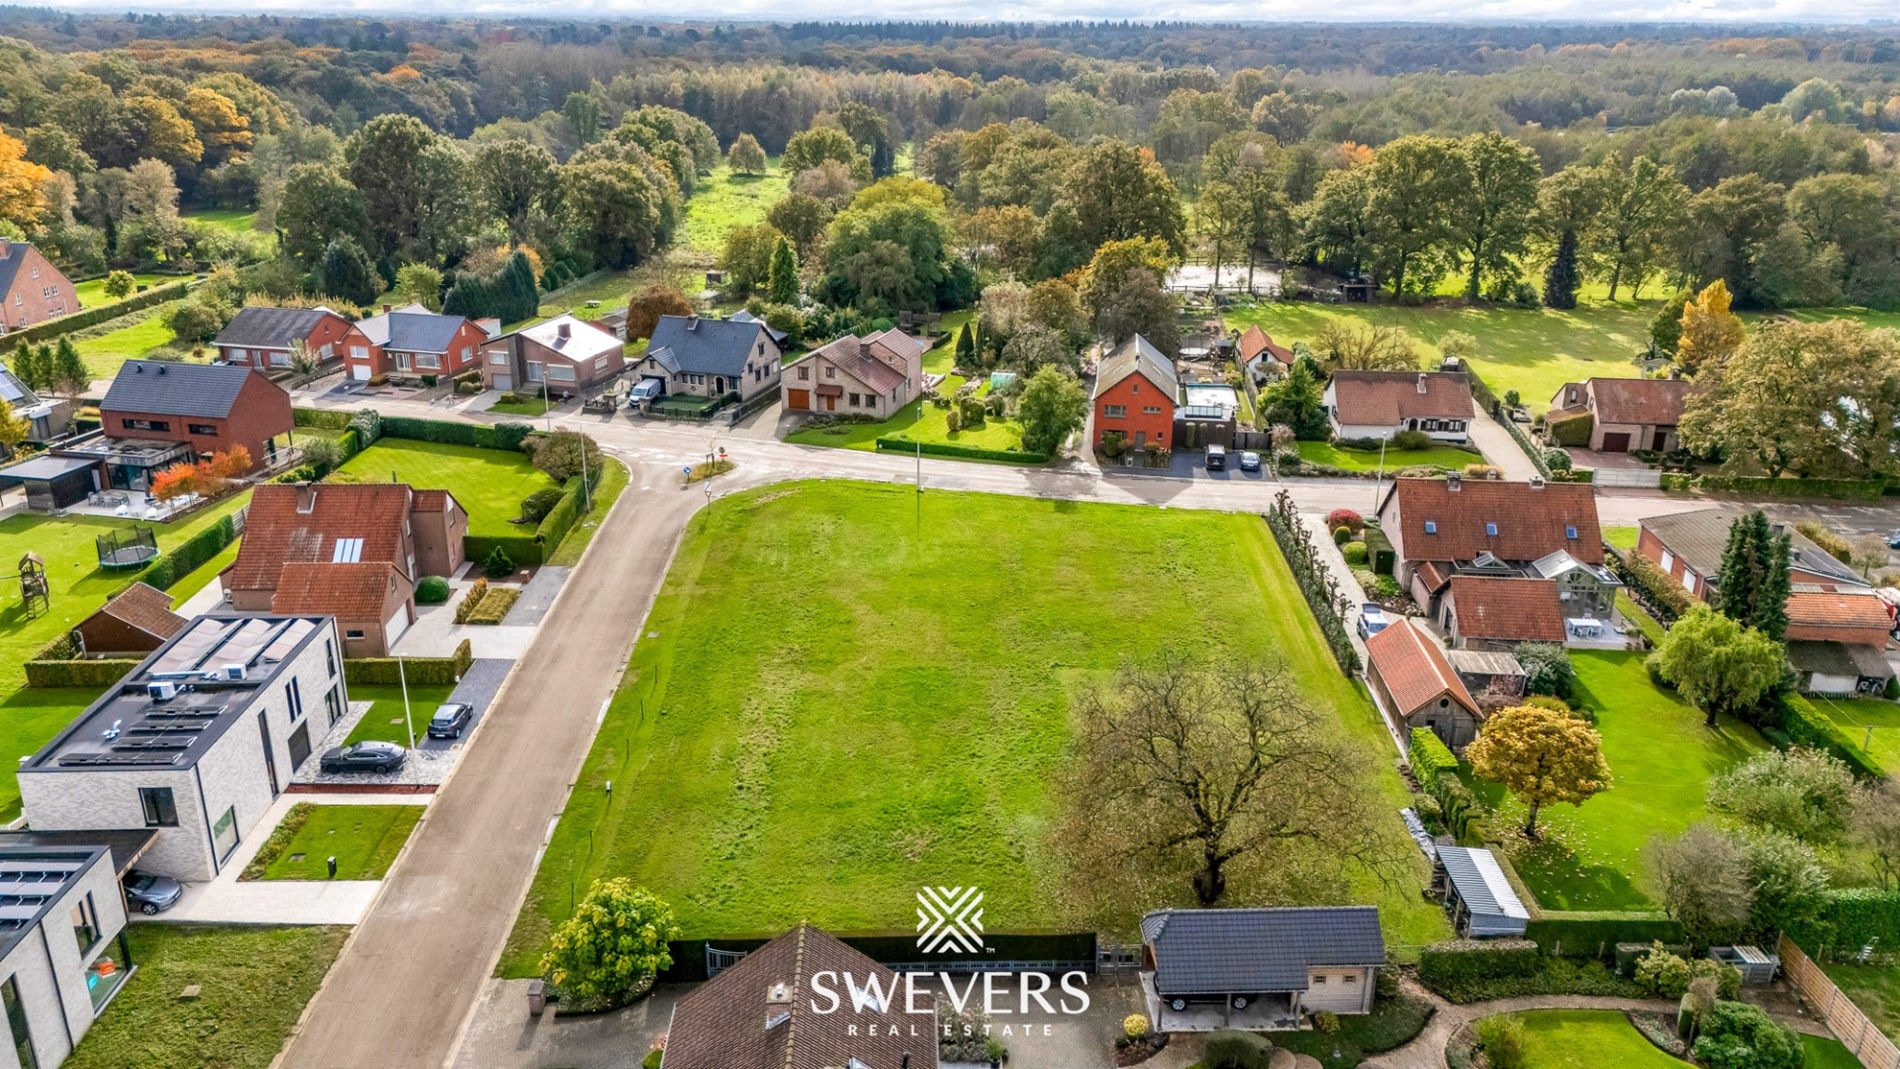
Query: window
1431,526
831,373
346,551
1491,529
402,361
534,371
294,695
207,430
279,359
1151,410
560,373
85,926
17,1024
329,655
500,359
854,401
355,632
1114,411
157,805
1570,531
1668,561
1319,978
428,361
804,374
147,424
333,703
224,836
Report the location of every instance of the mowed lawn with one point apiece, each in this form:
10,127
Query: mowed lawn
1442,456
92,292
1874,988
1588,1039
253,983
917,421
837,699
489,483
723,200
385,721
28,718
1661,759
1869,726
364,839
126,337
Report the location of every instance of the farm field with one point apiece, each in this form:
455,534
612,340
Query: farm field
833,737
1661,758
489,483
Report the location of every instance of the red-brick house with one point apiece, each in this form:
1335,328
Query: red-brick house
32,290
159,412
1451,526
1415,683
262,338
1136,392
1688,547
1625,414
137,619
563,357
872,376
411,341
354,551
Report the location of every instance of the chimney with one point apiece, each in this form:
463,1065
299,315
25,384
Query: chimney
1421,382
563,330
1537,482
386,309
692,322
306,497
6,249
1453,481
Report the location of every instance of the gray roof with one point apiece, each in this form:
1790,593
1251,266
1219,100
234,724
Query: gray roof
1137,354
270,328
32,879
1830,658
1217,951
176,388
704,346
1698,539
743,316
10,264
46,466
1479,882
412,329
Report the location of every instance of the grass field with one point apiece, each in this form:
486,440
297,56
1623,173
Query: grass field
723,200
384,720
1661,760
933,425
105,347
613,482
78,586
488,482
1586,1039
809,735
941,359
253,983
1623,538
1443,456
92,292
1869,726
534,407
364,839
236,220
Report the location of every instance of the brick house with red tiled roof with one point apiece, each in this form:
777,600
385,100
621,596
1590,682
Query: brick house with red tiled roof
1263,357
873,376
1496,613
1416,684
1444,527
372,602
137,619
32,289
1626,414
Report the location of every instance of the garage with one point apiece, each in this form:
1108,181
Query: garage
798,400
1616,441
397,623
502,381
360,372
52,482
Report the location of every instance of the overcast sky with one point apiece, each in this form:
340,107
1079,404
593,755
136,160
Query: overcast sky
1727,11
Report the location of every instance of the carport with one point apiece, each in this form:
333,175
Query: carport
52,482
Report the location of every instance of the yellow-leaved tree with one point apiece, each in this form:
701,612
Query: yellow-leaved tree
1541,756
22,196
1710,332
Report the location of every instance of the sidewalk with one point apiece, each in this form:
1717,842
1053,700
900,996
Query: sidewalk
228,900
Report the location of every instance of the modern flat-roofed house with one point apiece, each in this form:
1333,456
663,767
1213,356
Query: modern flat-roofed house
1453,526
1415,683
62,948
1207,969
137,619
1380,404
565,356
45,420
1625,414
196,742
763,1013
713,357
263,338
411,341
1688,547
1136,393
870,376
32,290
161,412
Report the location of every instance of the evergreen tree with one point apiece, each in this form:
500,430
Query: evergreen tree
782,282
31,367
1752,586
966,348
70,376
347,272
1561,279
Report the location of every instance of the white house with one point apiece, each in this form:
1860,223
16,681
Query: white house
196,742
63,954
1380,404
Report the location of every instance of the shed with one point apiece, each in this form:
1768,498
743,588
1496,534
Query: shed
1482,903
1258,969
52,482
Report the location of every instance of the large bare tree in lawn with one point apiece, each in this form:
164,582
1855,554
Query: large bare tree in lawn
1185,769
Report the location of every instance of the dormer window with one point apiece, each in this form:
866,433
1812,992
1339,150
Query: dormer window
1491,530
1431,526
1570,531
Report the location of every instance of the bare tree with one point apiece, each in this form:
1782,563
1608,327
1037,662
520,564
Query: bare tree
1187,768
1704,880
1371,347
1875,828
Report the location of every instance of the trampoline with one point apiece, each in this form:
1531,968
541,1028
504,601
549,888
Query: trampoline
126,548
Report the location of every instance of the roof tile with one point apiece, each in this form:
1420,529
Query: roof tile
1515,610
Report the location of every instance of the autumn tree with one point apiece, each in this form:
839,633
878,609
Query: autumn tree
1718,665
1188,769
649,303
613,210
1642,209
1702,877
1343,346
810,148
745,156
318,205
1710,332
22,196
1298,400
346,272
1542,756
612,945
1752,586
1491,218
1117,192
13,429
747,257
119,285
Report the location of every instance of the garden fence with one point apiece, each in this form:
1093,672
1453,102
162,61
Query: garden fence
1848,1023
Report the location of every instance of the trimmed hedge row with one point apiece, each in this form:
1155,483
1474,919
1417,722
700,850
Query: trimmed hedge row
1379,551
1763,486
91,317
945,449
504,436
1595,935
1430,757
561,518
1460,960
77,673
422,671
1850,918
524,550
187,556
1801,725
1663,593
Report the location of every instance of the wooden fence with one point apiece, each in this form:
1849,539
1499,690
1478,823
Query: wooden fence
1848,1023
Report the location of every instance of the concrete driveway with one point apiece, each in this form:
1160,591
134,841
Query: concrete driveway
1500,449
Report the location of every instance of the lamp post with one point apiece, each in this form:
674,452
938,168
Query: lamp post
1378,480
402,677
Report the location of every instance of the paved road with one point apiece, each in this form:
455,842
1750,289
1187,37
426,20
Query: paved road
414,967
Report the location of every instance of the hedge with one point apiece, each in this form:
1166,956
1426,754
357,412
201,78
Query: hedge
93,674
1573,431
1460,960
1850,918
1663,592
1595,935
524,550
1801,725
1430,757
1379,551
561,518
945,449
188,555
504,436
53,328
1763,486
422,671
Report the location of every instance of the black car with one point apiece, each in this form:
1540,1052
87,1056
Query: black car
152,894
364,757
1216,458
450,720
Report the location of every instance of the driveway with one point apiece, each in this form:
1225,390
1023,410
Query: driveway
423,955
1499,448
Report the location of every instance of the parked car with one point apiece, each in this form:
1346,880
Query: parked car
450,719
372,756
1893,539
150,893
1216,458
1249,460
1372,620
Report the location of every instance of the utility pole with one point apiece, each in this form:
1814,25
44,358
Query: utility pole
402,676
1378,480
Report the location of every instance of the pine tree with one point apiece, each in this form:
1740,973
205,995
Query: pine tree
782,284
1561,279
1752,586
70,376
31,367
966,349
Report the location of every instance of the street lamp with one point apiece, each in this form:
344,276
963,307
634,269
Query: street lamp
402,677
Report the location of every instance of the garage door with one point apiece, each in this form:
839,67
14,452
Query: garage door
1616,441
504,382
798,400
359,372
397,623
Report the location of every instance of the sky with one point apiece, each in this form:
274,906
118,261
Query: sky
1514,11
